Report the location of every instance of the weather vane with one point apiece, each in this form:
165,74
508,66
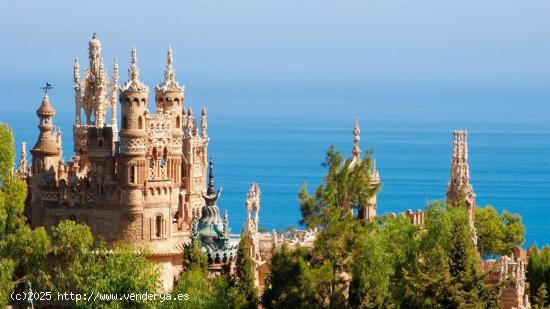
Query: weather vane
46,88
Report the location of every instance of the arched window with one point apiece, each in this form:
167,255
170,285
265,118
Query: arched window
140,122
158,226
124,122
178,122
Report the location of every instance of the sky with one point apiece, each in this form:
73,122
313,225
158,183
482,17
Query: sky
287,48
296,74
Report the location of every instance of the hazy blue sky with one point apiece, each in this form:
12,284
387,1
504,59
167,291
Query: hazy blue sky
280,44
284,79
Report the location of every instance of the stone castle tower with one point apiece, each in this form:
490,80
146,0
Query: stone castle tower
368,211
459,189
142,185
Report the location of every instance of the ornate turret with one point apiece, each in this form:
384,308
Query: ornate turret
366,212
459,188
23,169
169,94
133,100
252,209
114,86
356,151
96,86
95,94
212,230
47,150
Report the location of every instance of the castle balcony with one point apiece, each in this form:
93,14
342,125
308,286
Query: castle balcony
49,196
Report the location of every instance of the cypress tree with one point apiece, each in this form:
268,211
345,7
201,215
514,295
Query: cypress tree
244,273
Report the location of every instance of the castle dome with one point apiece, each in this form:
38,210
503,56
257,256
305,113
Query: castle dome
47,144
45,109
94,42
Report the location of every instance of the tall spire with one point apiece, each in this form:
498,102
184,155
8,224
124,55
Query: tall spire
356,151
133,72
77,92
114,90
169,82
210,212
211,187
459,188
460,170
23,168
133,83
204,123
91,92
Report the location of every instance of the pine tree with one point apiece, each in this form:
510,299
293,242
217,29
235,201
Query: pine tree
194,257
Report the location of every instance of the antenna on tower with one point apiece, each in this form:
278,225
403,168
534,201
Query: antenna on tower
46,88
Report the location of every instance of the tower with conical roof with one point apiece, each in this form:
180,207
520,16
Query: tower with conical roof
47,150
212,231
366,212
459,189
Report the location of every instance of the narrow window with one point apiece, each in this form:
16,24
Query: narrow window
158,226
133,174
140,122
178,122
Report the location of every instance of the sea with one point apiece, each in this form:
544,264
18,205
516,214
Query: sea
276,133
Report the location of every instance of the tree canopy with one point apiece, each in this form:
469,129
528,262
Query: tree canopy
388,262
498,234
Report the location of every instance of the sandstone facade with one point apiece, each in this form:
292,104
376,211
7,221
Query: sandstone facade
142,185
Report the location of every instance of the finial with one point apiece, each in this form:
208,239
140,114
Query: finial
211,195
115,73
46,88
94,35
23,169
76,66
169,55
190,111
133,71
204,123
356,151
211,188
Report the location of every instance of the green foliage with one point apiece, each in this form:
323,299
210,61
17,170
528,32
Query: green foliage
498,235
244,277
13,192
380,264
541,298
294,283
7,267
538,272
119,271
7,152
344,187
194,257
71,244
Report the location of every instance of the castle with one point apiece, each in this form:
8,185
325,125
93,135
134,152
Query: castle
142,185
146,185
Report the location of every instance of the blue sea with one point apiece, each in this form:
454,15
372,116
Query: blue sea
276,133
